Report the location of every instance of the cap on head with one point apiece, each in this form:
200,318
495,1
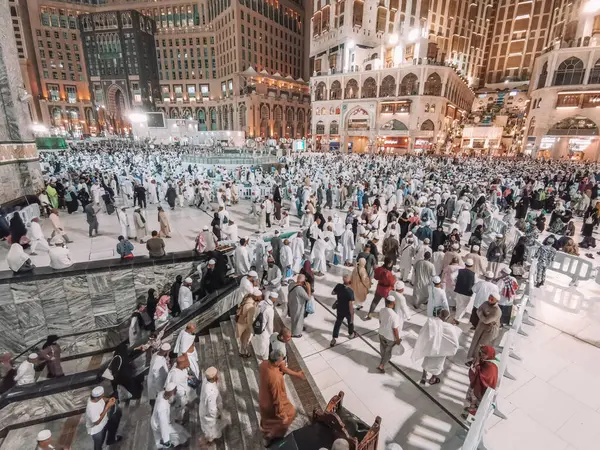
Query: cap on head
436,280
256,292
98,391
170,387
211,373
205,228
489,274
33,356
44,435
188,280
440,248
212,262
58,240
165,347
252,274
273,295
468,262
506,270
455,246
399,286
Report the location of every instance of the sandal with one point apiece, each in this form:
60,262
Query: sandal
435,381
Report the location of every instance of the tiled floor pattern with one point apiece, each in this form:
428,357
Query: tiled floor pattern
551,405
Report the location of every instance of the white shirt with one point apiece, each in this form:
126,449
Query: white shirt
25,373
437,298
180,378
92,414
186,299
276,344
16,257
161,417
388,320
60,258
157,375
314,232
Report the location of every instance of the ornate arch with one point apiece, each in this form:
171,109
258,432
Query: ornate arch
433,85
427,126
409,85
388,87
351,90
321,91
335,93
369,88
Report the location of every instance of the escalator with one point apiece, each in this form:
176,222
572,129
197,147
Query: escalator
58,398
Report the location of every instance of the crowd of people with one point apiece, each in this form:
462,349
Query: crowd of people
387,222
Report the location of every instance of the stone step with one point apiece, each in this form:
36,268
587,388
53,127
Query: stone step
241,390
233,433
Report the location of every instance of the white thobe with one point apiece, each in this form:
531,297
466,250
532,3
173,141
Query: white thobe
241,260
437,298
157,375
125,225
438,262
184,391
211,411
287,260
482,290
260,342
347,245
37,237
319,259
162,428
25,373
186,299
298,251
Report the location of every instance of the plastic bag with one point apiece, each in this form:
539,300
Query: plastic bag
310,305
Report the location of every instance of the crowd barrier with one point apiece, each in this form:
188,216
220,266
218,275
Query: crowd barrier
489,405
29,212
578,269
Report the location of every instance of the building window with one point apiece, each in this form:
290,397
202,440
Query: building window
53,93
433,85
357,13
594,73
569,72
409,85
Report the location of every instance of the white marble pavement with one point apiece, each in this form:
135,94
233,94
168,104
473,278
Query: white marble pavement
551,405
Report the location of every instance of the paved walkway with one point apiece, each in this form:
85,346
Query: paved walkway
552,405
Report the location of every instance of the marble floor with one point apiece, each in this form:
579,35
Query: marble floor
549,406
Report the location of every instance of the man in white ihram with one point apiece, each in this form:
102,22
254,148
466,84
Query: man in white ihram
241,259
157,374
60,256
185,299
260,342
212,417
167,433
37,237
26,371
185,346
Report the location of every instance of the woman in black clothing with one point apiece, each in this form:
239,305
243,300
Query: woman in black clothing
151,307
17,228
522,207
518,253
123,372
216,226
477,236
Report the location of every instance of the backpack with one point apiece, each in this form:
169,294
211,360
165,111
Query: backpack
258,326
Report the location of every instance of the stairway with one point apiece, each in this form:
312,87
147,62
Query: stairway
238,383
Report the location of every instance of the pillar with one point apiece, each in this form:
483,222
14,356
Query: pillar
20,174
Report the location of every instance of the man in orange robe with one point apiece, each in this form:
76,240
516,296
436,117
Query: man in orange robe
276,411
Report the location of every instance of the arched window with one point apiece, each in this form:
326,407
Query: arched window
213,119
334,127
351,89
409,85
289,115
388,87
433,85
321,92
320,127
202,120
264,112
174,113
569,72
531,129
357,13
335,93
595,74
369,88
427,126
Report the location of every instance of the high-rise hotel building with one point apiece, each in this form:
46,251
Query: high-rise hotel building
232,65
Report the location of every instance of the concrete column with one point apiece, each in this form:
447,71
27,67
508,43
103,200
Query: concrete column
21,175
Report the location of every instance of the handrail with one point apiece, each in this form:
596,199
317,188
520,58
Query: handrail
79,333
88,378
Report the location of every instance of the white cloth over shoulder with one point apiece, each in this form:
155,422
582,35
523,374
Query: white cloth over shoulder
437,338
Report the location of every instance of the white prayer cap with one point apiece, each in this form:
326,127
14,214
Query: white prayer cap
440,247
170,387
399,285
211,372
476,248
188,280
252,273
506,270
58,240
489,274
273,295
212,262
205,228
256,291
98,391
468,262
44,435
499,235
495,293
33,356
165,347
426,241
436,280
455,246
